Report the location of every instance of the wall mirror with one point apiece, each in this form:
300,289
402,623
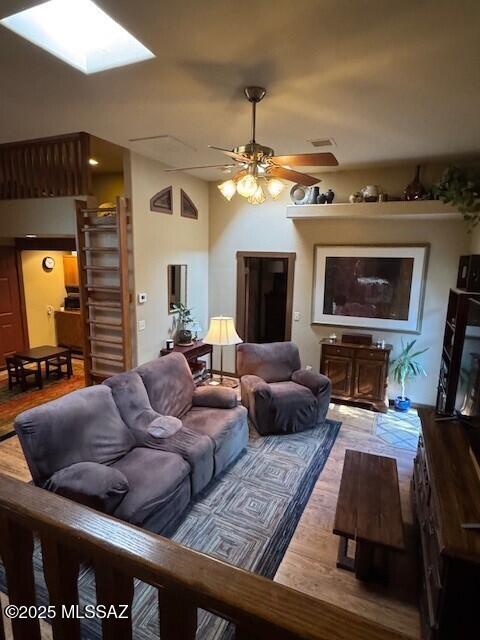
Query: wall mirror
177,285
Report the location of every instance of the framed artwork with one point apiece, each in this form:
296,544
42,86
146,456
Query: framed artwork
162,202
187,209
369,286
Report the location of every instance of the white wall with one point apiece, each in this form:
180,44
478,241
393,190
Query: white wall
42,289
238,226
160,239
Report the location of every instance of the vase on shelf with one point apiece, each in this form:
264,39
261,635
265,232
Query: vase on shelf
415,190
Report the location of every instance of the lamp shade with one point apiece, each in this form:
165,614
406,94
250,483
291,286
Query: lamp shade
222,332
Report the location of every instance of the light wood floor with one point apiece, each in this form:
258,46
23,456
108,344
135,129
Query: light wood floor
310,562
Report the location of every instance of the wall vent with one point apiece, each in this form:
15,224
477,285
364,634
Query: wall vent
323,142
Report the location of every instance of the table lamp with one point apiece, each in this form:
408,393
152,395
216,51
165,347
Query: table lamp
221,332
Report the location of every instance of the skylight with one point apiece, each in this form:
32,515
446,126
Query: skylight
79,33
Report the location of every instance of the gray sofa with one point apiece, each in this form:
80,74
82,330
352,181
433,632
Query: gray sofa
139,446
280,396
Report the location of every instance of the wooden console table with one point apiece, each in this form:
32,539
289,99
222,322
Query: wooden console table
369,512
358,372
446,489
192,352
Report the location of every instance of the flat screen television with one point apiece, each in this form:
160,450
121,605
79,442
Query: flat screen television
467,401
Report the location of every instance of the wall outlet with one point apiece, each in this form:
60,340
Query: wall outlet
141,324
296,316
141,298
308,367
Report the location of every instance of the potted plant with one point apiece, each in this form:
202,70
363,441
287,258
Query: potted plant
461,187
183,335
404,368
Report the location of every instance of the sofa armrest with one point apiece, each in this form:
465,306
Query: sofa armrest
90,483
316,382
215,397
153,435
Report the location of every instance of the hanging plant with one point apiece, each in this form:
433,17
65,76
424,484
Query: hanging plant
461,188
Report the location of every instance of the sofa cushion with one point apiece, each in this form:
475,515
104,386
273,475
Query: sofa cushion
169,384
215,397
196,449
82,426
94,485
227,428
156,481
274,362
132,401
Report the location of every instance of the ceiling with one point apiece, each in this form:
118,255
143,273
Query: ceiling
388,81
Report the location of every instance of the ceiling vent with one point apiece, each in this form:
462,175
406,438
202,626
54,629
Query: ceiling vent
164,147
323,142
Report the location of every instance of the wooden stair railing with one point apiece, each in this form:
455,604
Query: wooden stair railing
103,244
186,580
46,167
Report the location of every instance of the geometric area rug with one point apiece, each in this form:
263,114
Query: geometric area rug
246,517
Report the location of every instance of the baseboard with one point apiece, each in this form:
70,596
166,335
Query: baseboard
415,405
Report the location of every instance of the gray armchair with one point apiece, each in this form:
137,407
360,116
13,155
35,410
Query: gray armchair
280,396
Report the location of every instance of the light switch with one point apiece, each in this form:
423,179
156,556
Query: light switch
141,325
296,316
141,298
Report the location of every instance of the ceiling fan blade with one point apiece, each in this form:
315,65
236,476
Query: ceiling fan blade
239,175
293,176
231,154
307,160
205,166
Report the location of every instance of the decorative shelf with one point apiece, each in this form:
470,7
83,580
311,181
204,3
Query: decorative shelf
401,209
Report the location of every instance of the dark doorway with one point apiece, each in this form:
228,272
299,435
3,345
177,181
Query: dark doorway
264,296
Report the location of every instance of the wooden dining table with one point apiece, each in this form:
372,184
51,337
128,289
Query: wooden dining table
37,355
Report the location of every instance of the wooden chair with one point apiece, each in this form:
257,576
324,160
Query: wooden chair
18,373
58,365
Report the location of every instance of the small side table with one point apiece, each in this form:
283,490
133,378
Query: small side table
192,352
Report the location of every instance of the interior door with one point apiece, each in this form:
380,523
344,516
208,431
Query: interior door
11,321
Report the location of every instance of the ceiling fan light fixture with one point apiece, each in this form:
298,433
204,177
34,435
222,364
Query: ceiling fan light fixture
247,186
228,189
275,187
258,197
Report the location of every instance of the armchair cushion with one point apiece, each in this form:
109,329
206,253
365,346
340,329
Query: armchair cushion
215,397
94,485
274,362
316,382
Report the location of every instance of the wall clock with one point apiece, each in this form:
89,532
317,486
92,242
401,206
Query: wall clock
48,263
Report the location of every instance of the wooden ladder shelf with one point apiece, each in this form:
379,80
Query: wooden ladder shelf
104,289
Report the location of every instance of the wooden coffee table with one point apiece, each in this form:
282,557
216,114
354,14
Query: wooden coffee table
44,353
369,512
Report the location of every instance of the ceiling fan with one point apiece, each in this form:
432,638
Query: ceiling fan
257,164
